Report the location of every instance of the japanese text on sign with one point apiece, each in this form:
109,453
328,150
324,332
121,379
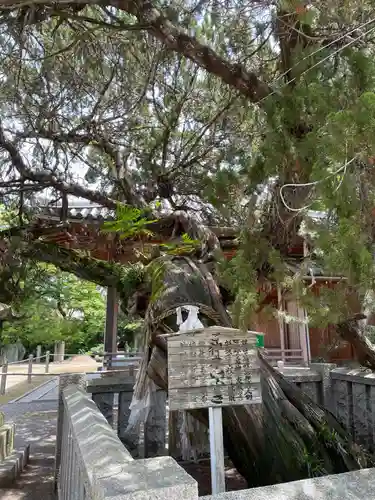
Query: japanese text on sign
213,367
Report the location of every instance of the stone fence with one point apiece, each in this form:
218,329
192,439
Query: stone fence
93,464
349,393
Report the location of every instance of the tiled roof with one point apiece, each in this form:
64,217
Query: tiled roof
96,213
77,210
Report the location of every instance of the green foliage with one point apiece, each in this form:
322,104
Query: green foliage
187,246
132,276
150,121
96,350
128,331
345,252
155,272
62,307
130,222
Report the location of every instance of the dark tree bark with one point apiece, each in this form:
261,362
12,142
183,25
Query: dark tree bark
349,330
290,437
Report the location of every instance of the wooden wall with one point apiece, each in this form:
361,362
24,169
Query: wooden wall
325,344
269,325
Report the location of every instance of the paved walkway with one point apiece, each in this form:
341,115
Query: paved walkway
35,416
39,429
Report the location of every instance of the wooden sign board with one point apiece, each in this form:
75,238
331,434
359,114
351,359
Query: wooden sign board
213,367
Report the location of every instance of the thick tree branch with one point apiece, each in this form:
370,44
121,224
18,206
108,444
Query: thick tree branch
61,309
48,179
98,271
98,141
174,38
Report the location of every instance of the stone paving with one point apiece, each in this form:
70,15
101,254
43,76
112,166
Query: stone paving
38,429
35,417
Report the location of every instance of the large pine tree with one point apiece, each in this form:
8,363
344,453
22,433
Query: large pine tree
210,112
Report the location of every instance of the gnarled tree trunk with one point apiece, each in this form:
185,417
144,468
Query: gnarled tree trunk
290,437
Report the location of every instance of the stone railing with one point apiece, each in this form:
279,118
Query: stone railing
358,485
92,462
349,393
94,465
353,403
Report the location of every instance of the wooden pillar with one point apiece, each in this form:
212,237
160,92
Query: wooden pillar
281,322
216,450
38,353
110,335
305,335
106,401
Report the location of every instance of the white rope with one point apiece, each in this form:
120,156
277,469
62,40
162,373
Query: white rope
351,42
333,42
307,184
318,63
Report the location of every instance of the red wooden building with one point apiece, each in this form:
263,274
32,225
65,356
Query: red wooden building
292,341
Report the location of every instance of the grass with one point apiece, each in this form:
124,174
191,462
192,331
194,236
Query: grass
22,388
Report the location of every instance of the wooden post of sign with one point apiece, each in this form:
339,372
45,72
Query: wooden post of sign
215,419
211,368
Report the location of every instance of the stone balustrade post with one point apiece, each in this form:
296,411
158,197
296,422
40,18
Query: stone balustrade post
30,369
38,353
4,371
65,380
326,396
47,362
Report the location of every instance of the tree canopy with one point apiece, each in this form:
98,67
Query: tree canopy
61,307
242,114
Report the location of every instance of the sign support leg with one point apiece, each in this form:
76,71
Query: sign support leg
216,450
